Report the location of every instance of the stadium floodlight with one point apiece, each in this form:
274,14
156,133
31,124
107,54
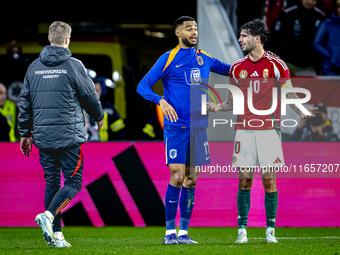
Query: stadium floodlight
116,77
91,73
109,83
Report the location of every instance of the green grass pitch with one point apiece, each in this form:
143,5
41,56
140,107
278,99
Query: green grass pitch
148,240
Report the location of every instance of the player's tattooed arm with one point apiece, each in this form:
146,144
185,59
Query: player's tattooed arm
227,105
292,95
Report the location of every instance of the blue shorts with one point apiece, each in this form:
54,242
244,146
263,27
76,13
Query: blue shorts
187,146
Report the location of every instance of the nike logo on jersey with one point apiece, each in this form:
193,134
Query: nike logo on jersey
179,65
254,74
171,201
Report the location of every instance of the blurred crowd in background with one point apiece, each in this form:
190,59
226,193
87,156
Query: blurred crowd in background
304,33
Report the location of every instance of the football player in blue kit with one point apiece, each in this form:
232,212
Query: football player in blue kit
182,70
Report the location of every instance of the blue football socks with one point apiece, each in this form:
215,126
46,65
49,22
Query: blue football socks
171,204
186,204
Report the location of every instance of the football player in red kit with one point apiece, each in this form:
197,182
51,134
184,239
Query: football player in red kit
258,136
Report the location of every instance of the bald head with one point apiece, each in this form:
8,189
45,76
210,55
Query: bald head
3,94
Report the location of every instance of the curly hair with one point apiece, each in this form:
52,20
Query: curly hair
256,27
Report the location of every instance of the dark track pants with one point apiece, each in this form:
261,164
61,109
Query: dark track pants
70,162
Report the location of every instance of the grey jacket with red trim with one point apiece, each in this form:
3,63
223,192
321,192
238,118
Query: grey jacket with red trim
56,89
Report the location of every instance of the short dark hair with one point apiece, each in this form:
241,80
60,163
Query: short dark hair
58,32
321,107
180,20
256,27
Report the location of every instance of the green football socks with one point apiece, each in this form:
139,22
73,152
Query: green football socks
243,205
270,203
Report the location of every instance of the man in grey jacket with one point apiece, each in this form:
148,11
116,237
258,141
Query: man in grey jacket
56,89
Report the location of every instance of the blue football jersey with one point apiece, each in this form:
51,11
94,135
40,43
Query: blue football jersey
183,73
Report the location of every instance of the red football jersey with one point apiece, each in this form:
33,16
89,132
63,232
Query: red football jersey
261,76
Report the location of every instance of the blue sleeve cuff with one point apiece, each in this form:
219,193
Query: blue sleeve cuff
157,99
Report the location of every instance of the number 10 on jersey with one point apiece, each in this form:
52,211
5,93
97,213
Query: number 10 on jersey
256,87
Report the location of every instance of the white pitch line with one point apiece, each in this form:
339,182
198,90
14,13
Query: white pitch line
303,237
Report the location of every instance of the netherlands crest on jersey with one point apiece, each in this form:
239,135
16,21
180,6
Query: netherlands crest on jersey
243,74
199,60
173,153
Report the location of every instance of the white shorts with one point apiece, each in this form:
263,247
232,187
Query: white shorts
257,147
